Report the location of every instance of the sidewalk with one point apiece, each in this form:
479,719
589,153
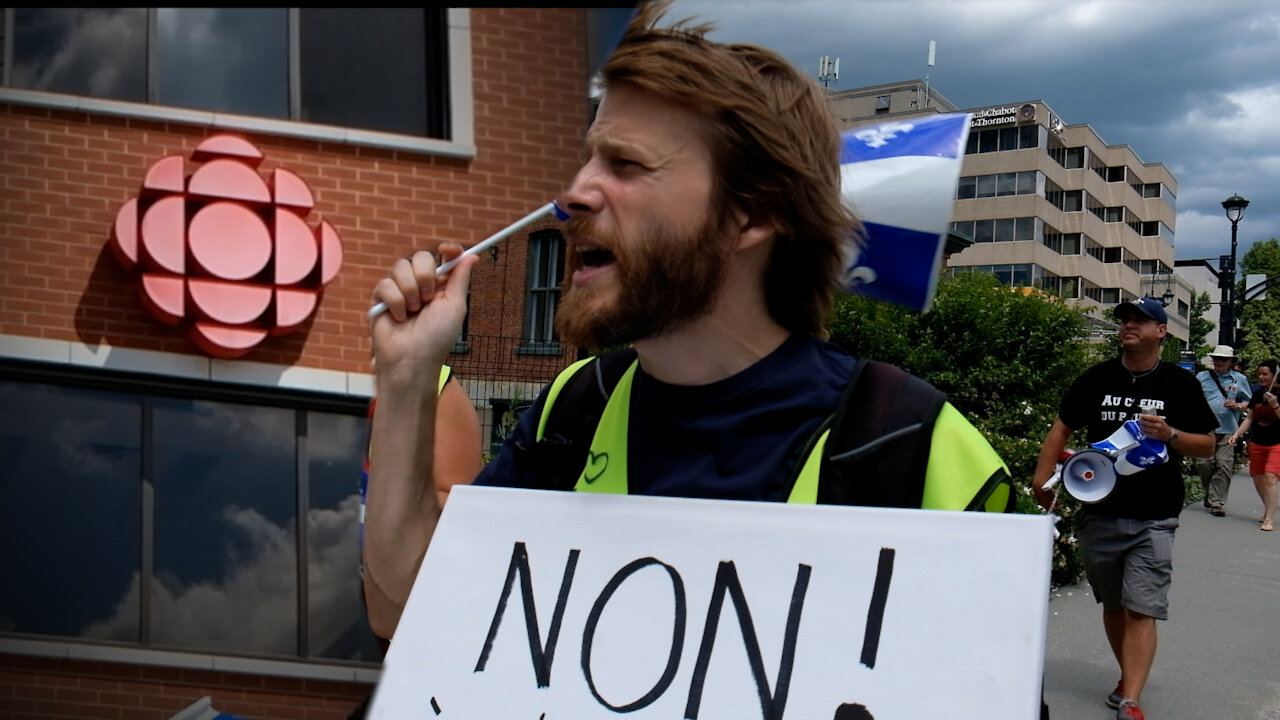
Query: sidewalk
1219,652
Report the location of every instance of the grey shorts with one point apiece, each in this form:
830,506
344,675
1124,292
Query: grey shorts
1129,563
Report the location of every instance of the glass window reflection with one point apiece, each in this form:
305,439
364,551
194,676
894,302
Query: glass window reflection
225,527
381,69
374,68
100,52
226,59
69,511
337,627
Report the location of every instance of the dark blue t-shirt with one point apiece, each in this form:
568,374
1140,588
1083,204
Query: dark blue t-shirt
736,439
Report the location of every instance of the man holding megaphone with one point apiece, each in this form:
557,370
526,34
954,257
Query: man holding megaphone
1126,537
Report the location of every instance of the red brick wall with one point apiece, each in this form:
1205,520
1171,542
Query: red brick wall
52,689
63,176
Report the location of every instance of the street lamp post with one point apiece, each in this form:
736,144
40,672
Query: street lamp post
1234,206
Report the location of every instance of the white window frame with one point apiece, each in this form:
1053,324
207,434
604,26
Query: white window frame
461,105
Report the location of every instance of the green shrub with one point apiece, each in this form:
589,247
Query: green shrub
1003,357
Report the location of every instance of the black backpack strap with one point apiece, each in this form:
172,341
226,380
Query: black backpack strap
878,449
571,420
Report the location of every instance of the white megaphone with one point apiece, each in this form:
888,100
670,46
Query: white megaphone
1089,475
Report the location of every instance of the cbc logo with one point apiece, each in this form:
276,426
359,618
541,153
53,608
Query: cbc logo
225,252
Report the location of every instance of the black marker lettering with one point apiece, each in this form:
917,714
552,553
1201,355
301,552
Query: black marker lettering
677,634
875,610
541,656
772,703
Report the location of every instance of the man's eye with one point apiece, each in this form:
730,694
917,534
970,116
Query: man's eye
625,163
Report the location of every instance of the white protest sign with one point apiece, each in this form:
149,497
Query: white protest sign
557,605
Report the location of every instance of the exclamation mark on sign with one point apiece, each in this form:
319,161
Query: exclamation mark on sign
875,611
871,637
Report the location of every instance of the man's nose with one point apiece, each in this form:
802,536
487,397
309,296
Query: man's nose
584,196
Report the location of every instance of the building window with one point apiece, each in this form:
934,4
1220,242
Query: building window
379,69
1109,173
225,507
1069,158
1104,213
882,104
1156,270
546,269
999,230
984,231
1104,296
1028,136
1147,190
1019,275
1064,200
185,503
334,453
998,139
1063,287
1009,138
71,514
1146,228
1106,254
1063,243
1002,184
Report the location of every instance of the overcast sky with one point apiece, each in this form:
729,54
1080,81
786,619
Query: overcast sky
1193,84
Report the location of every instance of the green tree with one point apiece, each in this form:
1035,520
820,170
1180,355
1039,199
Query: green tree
1003,356
1260,318
1198,341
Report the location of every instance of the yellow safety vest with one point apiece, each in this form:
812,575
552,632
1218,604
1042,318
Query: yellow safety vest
962,464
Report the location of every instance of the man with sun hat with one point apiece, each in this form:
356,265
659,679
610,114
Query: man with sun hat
1227,391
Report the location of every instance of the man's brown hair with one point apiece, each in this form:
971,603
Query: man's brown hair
775,147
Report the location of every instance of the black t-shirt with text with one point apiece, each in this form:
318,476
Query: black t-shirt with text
1105,396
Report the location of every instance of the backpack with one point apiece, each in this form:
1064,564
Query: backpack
875,457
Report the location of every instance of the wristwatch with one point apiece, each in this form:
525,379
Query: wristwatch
1173,438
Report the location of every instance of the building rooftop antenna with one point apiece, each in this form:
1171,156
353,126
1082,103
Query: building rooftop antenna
933,46
828,69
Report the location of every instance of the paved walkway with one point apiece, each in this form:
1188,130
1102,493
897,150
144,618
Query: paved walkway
1219,653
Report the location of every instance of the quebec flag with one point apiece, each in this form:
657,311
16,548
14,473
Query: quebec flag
899,177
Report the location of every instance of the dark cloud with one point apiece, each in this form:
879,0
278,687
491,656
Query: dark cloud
1189,83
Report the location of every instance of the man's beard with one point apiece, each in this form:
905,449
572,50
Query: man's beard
665,279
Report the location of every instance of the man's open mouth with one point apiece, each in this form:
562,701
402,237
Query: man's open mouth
594,256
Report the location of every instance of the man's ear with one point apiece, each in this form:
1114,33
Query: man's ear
752,231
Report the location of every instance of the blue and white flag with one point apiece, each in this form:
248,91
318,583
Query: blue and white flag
1125,437
899,177
1132,449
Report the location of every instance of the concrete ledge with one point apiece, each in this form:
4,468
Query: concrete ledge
186,660
287,377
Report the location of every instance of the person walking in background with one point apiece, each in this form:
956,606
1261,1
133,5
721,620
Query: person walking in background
1228,395
1264,441
1126,539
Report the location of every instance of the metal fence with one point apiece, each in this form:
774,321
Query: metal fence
502,376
